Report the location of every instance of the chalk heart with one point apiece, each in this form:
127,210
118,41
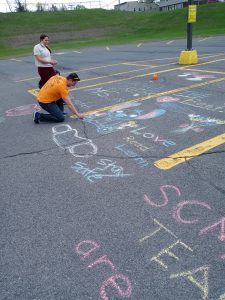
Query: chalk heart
22,110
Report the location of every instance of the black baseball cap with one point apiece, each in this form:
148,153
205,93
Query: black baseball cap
73,76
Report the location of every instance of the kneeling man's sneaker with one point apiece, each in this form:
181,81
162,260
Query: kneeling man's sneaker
36,117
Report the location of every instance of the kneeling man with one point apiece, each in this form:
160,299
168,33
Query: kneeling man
51,98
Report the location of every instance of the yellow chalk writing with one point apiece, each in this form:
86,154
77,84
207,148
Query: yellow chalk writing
168,252
202,285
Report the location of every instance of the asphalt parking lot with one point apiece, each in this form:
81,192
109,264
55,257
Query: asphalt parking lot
127,203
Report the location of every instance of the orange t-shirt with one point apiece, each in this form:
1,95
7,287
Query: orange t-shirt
54,89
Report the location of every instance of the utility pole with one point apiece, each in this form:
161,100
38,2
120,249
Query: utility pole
189,56
189,31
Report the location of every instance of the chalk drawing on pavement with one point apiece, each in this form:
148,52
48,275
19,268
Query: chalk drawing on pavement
194,76
105,168
22,110
197,122
67,137
120,117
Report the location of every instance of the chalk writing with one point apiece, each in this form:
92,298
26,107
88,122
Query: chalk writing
202,285
67,138
138,159
80,103
196,99
180,206
220,223
131,90
154,137
118,282
112,281
109,169
102,92
89,246
130,140
161,227
200,281
166,199
168,252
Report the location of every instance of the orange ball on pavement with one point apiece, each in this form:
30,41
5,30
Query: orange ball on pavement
154,77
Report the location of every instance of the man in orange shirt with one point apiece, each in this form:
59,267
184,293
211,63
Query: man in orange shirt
51,97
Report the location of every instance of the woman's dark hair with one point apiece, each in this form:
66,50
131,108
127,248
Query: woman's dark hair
43,36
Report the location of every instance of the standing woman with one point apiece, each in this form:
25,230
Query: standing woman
43,60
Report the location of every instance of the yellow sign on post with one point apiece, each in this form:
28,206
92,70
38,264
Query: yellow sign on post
192,11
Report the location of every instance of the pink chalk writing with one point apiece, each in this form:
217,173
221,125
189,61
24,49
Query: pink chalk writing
85,252
166,199
222,229
101,260
181,205
112,282
177,212
118,282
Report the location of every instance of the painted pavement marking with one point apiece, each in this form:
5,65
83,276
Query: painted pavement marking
155,95
14,59
205,71
202,40
34,91
118,64
170,42
189,153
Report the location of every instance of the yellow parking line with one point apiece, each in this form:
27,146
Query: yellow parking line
143,75
189,153
135,64
120,73
184,88
118,64
210,62
205,71
33,91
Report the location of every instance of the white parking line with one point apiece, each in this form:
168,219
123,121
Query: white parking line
14,59
139,45
202,40
170,42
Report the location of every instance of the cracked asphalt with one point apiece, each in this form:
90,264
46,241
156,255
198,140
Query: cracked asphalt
128,203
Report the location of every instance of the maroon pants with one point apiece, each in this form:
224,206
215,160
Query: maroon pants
45,73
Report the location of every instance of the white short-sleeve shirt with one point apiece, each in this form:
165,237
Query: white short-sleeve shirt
41,50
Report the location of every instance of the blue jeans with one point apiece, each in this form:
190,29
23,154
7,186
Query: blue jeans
55,110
